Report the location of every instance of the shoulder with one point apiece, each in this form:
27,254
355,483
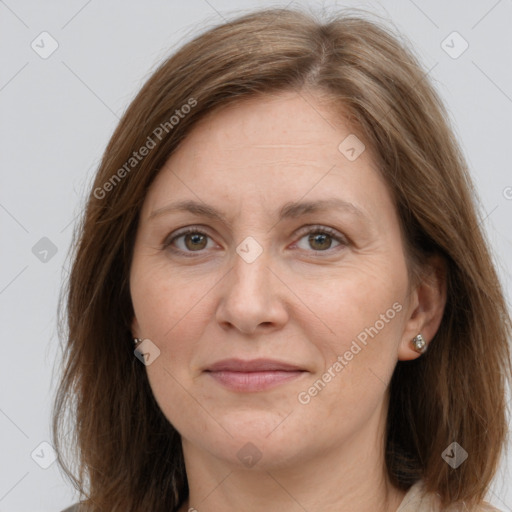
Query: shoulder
417,500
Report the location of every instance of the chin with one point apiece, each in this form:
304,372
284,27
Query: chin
258,441
258,453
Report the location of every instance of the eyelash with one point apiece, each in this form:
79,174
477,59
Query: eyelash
312,229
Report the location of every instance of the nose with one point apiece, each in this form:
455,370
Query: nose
252,297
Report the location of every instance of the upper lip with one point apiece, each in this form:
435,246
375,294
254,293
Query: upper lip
253,365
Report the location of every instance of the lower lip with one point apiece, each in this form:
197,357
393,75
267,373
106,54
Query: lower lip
254,381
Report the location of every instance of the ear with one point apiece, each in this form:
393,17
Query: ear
426,307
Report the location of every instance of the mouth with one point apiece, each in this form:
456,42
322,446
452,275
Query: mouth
252,376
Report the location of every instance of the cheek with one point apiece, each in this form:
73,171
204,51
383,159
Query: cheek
167,306
168,315
357,302
363,307
365,312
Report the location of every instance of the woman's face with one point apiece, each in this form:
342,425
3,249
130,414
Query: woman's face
279,318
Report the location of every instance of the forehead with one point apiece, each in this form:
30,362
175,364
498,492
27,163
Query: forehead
284,120
266,148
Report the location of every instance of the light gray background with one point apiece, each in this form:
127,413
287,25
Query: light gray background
57,115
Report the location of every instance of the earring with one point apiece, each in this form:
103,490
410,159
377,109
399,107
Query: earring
137,340
419,344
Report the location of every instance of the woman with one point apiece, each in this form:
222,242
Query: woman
281,297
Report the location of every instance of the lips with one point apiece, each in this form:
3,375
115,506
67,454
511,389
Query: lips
254,365
254,375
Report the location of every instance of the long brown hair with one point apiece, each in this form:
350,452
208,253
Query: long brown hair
127,455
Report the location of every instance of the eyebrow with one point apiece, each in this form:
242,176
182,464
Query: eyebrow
288,210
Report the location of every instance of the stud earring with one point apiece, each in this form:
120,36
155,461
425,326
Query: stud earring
419,344
137,340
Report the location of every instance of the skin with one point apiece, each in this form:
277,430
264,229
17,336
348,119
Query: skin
299,301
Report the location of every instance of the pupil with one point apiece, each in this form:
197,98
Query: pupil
195,239
321,238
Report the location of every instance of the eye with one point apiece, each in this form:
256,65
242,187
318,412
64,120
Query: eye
189,240
320,238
